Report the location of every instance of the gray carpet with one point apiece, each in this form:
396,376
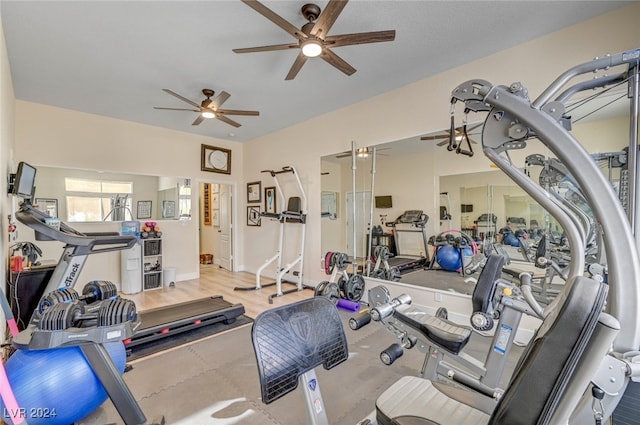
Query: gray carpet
215,382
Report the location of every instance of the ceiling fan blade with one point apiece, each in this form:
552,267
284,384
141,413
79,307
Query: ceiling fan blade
184,99
295,68
198,120
176,109
444,142
267,48
337,61
436,137
227,120
328,17
237,112
275,18
220,99
360,38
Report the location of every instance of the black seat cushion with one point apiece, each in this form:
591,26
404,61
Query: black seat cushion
552,355
485,287
293,339
448,335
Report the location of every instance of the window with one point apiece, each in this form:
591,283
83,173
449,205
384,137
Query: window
97,200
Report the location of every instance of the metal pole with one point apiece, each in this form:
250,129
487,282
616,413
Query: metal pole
353,188
633,148
373,178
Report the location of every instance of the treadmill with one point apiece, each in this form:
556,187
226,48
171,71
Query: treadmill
163,322
410,224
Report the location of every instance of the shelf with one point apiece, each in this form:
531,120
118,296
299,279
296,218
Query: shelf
151,264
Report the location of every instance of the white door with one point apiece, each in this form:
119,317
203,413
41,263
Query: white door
226,228
362,207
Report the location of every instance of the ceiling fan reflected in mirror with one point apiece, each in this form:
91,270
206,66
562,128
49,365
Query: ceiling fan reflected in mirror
209,108
313,39
362,152
458,137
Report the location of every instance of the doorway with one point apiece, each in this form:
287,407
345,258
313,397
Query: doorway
216,237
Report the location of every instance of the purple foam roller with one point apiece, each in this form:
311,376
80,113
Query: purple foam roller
348,305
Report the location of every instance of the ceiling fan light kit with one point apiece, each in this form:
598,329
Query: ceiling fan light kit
311,48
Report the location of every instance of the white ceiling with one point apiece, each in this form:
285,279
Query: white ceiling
113,58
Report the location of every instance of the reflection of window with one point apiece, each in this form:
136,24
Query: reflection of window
184,198
96,200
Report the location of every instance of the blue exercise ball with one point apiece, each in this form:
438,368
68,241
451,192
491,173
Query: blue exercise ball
448,257
57,386
511,239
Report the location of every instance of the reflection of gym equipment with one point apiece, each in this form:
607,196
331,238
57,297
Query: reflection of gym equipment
411,222
119,209
455,253
296,212
290,342
348,287
486,226
493,299
381,267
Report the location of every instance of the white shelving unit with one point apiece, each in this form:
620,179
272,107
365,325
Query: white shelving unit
151,264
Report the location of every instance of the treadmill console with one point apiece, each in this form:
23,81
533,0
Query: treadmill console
416,217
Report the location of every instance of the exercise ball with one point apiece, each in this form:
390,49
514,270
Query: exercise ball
511,239
57,386
449,257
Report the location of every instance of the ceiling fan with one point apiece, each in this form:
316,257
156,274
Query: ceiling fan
362,152
458,135
210,108
312,37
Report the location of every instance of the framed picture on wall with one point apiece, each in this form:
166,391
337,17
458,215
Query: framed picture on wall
270,205
254,192
215,218
214,159
253,216
168,209
144,209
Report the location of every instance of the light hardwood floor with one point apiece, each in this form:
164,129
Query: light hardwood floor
217,281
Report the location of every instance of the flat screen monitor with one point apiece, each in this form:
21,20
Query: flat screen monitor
384,201
23,185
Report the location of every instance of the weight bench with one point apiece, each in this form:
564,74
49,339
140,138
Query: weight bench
289,342
549,379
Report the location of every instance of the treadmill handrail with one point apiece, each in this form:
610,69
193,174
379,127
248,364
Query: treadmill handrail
34,219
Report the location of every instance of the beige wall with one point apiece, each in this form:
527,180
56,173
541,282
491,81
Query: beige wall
66,138
7,141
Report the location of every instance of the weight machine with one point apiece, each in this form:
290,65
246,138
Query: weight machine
581,362
295,213
493,299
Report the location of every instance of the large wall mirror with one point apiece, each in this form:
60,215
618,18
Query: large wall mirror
454,191
89,196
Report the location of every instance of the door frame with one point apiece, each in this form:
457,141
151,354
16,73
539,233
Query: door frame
233,205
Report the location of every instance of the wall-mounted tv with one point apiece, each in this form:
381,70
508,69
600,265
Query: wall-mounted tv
384,201
23,185
466,208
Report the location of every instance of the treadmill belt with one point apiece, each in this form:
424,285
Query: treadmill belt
173,313
180,321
